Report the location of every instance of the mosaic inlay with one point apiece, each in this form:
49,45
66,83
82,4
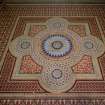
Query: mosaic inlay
56,73
27,71
29,66
57,45
92,46
56,56
21,46
57,78
84,66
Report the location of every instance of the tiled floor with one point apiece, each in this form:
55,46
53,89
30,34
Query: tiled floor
52,54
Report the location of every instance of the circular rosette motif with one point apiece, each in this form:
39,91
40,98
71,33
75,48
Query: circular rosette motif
57,45
57,24
92,46
20,46
49,47
57,78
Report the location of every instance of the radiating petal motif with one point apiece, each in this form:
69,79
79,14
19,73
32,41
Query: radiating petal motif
57,45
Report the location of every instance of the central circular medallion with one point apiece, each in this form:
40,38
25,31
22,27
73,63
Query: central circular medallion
57,74
57,45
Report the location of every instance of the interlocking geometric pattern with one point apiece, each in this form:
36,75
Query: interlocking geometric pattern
57,75
13,24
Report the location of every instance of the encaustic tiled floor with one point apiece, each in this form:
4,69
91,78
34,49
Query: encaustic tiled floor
52,54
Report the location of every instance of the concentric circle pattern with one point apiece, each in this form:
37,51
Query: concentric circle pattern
92,46
57,74
57,78
57,45
25,44
50,46
21,46
88,45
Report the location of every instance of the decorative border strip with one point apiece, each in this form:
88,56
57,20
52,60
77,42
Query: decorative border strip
55,101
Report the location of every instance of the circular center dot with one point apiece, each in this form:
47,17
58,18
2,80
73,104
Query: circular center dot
88,45
57,44
25,45
57,74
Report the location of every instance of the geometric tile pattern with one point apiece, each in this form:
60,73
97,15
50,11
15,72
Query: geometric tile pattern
84,65
80,29
29,66
56,49
29,91
34,29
